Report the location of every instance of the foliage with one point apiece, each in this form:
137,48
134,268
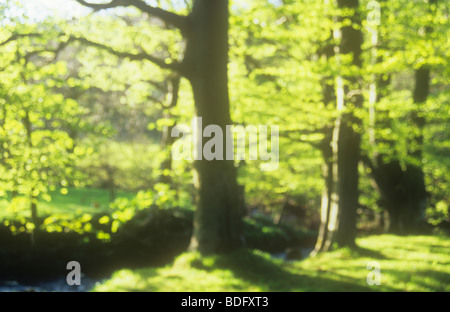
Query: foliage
277,62
75,117
37,148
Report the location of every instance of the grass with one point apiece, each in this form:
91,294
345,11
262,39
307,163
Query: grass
76,201
415,263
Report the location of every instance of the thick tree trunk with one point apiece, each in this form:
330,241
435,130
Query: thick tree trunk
389,179
411,215
403,195
414,175
218,218
403,191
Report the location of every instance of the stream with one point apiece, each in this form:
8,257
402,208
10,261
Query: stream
56,285
60,284
305,251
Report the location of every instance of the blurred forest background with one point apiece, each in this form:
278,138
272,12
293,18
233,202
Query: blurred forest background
90,93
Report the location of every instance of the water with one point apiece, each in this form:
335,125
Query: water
283,255
57,285
87,284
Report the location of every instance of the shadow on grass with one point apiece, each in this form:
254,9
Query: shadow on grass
344,269
441,280
370,253
261,270
421,280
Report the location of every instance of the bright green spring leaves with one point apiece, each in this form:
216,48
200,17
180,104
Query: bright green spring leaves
279,67
276,74
38,148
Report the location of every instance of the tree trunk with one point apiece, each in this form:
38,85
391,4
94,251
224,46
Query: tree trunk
414,175
403,191
218,218
329,98
167,140
339,222
166,164
342,222
327,172
33,199
34,219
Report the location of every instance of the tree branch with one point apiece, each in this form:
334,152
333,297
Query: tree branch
160,86
17,36
367,162
134,57
174,90
288,134
56,51
302,131
171,18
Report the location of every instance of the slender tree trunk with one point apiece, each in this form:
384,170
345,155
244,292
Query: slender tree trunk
32,197
110,171
342,202
327,172
166,145
329,98
167,140
218,218
34,219
385,176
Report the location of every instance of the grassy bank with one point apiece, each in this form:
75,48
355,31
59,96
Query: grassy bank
76,201
416,263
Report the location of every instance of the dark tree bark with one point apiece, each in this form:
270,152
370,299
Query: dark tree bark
346,143
417,195
218,218
403,190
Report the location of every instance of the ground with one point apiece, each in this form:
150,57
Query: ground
415,263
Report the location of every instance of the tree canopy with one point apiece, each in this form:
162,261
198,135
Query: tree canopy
358,89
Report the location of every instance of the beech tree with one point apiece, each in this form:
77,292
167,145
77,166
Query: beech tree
340,216
400,180
295,65
217,225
